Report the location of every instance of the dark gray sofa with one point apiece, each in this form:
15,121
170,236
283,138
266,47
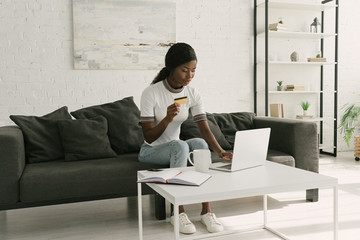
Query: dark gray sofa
24,184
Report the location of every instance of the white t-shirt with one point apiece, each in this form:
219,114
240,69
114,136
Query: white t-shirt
153,107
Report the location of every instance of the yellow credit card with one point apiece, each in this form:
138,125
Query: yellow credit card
180,100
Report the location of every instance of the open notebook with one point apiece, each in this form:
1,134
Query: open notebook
175,176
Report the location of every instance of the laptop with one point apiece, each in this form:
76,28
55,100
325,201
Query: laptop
250,150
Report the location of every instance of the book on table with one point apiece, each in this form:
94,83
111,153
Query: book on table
175,176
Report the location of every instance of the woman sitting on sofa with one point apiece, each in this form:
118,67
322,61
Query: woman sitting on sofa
161,119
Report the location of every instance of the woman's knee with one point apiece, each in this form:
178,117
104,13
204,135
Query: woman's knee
180,146
179,153
197,143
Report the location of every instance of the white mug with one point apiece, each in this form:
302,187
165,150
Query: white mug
201,160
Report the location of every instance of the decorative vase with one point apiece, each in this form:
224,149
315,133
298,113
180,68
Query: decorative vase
305,112
294,57
279,88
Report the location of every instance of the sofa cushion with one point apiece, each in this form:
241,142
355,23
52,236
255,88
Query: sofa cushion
189,129
60,180
229,123
85,139
123,118
280,157
41,135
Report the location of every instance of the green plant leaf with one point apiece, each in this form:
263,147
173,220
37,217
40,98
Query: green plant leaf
349,122
305,105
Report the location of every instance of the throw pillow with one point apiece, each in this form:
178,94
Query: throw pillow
229,123
123,116
41,135
85,139
189,129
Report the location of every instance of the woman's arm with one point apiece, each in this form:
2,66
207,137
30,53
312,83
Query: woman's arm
151,132
208,136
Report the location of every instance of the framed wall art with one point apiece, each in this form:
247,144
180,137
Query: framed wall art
122,34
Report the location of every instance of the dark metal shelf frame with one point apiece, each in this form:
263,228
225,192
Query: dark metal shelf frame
334,152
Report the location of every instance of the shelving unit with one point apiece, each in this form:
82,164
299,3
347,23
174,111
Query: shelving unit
264,68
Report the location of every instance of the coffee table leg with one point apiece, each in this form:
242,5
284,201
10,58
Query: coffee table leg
140,212
336,213
265,209
176,221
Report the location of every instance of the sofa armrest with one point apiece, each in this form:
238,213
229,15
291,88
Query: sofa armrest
12,163
295,137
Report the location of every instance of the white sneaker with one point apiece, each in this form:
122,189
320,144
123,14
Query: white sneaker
185,225
211,222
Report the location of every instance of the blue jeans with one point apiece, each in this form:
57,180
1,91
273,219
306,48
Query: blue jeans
173,153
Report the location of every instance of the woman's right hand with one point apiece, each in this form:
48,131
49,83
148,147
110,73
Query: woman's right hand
172,111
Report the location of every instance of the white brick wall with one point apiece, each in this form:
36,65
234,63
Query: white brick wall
36,66
37,76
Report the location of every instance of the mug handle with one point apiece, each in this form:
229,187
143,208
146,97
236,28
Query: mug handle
190,158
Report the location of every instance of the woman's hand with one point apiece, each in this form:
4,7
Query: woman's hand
225,155
172,111
152,132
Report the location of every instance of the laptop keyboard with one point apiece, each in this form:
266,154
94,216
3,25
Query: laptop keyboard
228,166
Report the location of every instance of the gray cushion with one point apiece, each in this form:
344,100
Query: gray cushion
280,157
189,129
41,135
78,179
123,118
85,139
229,123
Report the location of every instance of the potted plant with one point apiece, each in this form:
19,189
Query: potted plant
305,106
279,86
281,20
349,124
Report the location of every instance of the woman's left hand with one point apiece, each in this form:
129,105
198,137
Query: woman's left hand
225,155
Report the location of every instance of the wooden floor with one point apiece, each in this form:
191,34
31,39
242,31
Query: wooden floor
117,218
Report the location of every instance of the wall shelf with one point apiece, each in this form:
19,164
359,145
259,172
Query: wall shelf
298,63
298,6
300,35
294,92
315,119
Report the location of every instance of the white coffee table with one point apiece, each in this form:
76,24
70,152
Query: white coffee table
258,181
